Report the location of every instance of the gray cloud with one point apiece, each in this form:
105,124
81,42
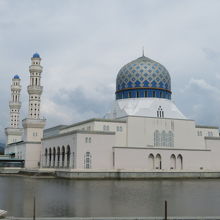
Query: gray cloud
83,45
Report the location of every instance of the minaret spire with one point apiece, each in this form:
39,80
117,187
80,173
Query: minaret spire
143,51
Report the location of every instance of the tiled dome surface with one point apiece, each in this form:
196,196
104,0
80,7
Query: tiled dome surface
143,72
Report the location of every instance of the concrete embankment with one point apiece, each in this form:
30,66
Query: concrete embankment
120,218
134,175
119,174
26,172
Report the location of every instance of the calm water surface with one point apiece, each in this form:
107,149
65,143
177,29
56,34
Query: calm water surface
60,197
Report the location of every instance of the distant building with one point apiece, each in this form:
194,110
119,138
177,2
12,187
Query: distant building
143,131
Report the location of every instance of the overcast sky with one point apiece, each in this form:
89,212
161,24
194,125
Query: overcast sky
84,43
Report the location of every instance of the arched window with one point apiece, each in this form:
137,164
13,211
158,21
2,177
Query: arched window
156,138
172,162
170,139
54,156
163,139
179,162
145,94
50,156
68,156
151,162
158,162
58,157
87,160
63,156
160,112
46,152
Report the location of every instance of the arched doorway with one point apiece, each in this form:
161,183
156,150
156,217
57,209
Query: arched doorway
158,162
50,157
58,157
54,156
172,162
151,162
68,156
46,155
179,162
63,156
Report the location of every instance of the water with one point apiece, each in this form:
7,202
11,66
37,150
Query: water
84,198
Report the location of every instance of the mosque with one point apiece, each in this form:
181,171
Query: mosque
143,131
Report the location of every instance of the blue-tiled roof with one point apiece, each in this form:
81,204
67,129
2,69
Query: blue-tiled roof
16,77
36,55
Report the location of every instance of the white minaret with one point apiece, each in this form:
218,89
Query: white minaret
35,89
13,132
33,124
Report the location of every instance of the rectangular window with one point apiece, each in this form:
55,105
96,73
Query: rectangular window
145,94
138,95
154,93
129,94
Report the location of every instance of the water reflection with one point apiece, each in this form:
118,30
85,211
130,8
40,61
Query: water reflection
59,197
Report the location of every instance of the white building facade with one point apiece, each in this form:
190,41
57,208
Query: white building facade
143,131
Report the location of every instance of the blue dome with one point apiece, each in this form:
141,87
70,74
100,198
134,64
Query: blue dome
141,78
16,77
36,55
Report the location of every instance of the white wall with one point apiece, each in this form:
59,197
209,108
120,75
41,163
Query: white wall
138,159
32,155
100,149
140,132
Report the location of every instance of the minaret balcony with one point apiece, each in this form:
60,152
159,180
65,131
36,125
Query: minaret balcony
35,89
16,105
35,68
15,88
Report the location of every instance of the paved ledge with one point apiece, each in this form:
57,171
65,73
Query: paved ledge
10,170
120,218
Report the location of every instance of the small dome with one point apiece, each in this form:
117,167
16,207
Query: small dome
36,55
142,78
16,77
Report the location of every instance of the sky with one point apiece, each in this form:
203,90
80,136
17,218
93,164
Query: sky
84,43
